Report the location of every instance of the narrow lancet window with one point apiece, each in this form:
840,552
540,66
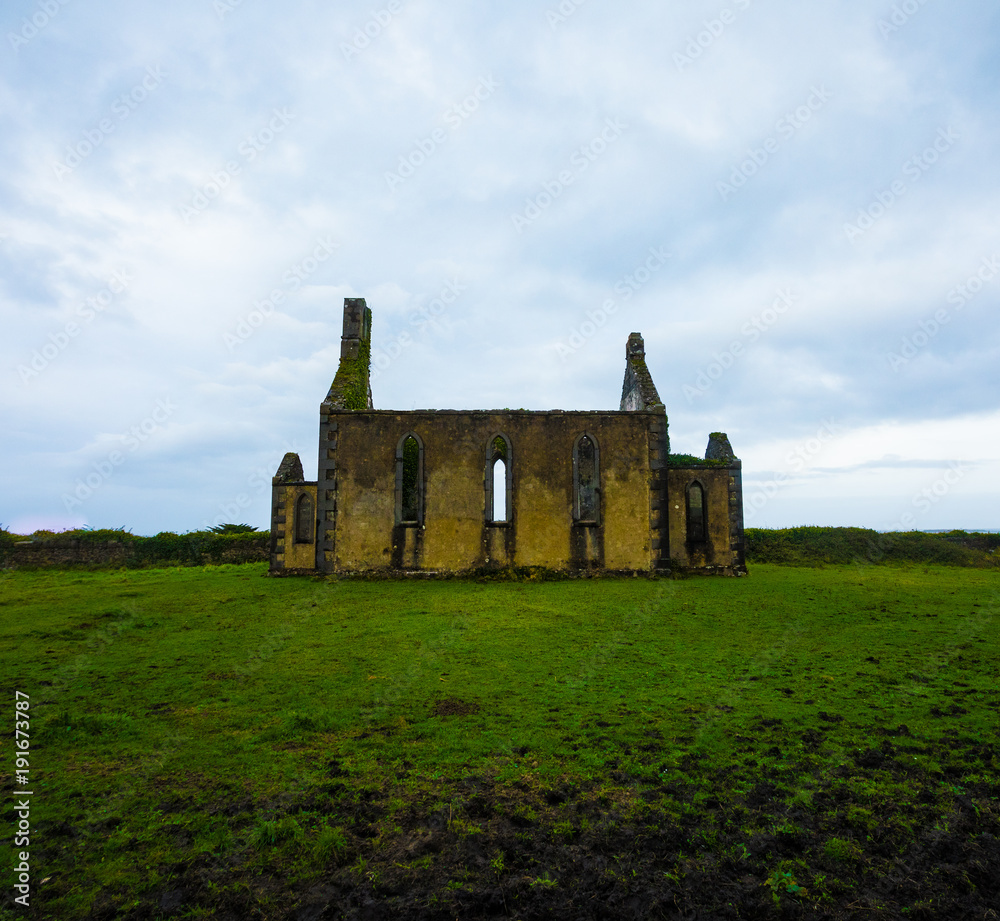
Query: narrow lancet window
498,480
304,519
696,512
409,480
586,480
499,490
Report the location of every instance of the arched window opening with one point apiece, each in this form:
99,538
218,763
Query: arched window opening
409,480
498,480
696,530
499,490
586,480
304,517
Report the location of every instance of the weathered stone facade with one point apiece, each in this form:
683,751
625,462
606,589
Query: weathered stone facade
455,491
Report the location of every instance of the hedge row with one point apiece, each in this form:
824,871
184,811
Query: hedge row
812,546
806,546
120,548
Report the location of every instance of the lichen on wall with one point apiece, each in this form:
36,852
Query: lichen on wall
290,470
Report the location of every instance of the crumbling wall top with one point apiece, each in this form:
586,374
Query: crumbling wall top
638,389
289,470
719,448
351,388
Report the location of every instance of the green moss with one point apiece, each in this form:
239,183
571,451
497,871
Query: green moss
350,386
689,460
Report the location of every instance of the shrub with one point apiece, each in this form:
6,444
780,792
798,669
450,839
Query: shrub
197,548
812,546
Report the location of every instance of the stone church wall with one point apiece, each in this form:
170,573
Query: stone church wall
722,548
411,491
455,534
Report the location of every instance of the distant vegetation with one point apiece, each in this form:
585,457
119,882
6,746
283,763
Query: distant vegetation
806,546
820,546
224,544
233,529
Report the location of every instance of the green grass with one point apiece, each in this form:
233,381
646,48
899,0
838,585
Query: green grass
211,717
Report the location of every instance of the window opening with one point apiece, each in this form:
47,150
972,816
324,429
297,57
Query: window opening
409,478
498,476
499,510
587,479
696,512
304,519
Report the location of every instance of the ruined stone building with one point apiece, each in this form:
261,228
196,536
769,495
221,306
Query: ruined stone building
455,490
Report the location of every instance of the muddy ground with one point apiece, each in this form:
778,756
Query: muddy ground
876,837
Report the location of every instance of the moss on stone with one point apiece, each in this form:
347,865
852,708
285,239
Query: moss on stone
689,460
350,385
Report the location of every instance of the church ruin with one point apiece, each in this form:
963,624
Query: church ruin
445,491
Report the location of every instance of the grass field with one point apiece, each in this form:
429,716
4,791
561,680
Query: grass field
211,743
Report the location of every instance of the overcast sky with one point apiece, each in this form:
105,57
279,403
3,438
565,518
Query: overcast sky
797,205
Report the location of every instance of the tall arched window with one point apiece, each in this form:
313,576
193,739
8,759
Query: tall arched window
499,490
304,519
499,476
696,525
586,480
410,480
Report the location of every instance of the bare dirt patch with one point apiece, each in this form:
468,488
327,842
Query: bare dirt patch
452,706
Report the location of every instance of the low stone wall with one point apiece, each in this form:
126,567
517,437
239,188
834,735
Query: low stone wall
39,554
137,552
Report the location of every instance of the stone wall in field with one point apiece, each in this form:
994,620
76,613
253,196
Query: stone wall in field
134,552
54,553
